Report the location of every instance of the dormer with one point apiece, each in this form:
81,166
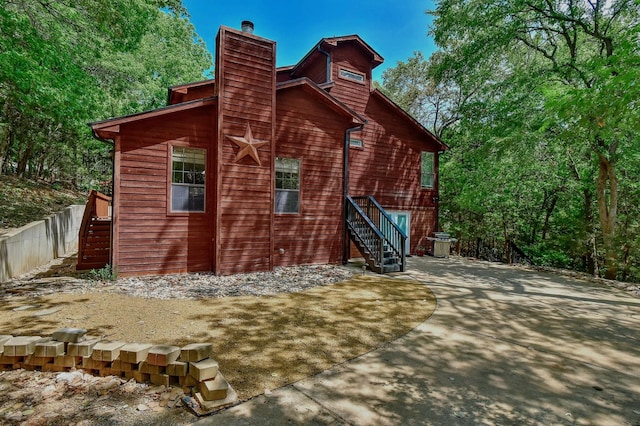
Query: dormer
341,65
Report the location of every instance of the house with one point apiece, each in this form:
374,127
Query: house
264,167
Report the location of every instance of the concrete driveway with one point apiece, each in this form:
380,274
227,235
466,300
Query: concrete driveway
506,346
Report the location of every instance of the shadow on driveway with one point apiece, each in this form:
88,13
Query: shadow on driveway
506,346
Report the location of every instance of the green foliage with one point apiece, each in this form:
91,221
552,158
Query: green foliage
543,98
547,256
23,201
103,274
65,63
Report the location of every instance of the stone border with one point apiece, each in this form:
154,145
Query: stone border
191,367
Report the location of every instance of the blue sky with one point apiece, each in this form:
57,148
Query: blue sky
394,28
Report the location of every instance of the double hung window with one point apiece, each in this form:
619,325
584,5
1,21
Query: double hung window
427,169
287,194
188,179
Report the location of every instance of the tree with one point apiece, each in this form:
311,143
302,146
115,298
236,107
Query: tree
585,65
435,100
68,62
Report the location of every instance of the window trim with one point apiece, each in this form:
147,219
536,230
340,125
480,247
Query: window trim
356,146
170,211
275,189
432,173
356,73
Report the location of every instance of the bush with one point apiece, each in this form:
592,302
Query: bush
103,274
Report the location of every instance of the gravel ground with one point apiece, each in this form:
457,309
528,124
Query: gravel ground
60,277
34,398
268,330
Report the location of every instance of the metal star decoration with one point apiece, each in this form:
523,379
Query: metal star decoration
248,145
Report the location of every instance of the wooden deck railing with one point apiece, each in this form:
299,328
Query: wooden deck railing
94,243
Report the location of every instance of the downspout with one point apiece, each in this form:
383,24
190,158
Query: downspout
345,191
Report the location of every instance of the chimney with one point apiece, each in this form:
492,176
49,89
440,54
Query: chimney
245,84
247,27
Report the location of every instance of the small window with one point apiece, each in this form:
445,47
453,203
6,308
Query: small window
427,170
351,75
355,143
187,179
287,195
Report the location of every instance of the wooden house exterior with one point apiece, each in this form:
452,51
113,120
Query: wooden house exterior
266,166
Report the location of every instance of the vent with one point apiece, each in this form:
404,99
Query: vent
247,27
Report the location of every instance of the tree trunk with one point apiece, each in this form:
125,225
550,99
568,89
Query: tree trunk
24,160
607,196
548,211
4,144
625,262
591,254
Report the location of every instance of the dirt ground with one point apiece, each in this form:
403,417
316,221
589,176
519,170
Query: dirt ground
261,343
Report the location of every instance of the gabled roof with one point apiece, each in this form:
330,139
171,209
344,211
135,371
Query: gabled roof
394,107
315,90
376,59
108,129
175,92
329,43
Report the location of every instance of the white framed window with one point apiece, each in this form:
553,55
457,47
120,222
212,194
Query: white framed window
188,179
356,143
287,185
351,75
427,169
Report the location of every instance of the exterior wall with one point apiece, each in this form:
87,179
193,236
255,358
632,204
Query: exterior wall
245,80
388,167
352,93
283,74
313,133
148,238
317,70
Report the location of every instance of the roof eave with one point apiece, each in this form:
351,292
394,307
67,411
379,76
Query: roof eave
337,105
184,88
109,129
376,58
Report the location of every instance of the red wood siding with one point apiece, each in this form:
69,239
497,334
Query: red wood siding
313,133
197,92
352,93
245,80
317,70
283,75
389,168
148,239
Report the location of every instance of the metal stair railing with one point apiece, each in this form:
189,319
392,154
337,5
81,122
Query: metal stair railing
367,219
365,231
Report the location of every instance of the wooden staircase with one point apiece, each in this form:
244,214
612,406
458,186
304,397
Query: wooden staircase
94,245
375,235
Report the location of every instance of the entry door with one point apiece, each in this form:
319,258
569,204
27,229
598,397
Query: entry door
403,220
